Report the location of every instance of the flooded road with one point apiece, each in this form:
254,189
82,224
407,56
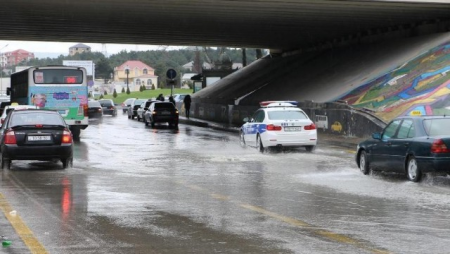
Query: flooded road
134,189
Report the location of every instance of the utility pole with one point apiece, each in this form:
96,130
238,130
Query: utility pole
127,71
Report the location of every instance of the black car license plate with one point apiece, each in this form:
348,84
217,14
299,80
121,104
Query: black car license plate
39,138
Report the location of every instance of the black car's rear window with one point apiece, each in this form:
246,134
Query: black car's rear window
286,115
36,117
105,103
92,104
438,126
168,105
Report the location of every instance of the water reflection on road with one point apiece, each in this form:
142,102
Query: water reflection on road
195,190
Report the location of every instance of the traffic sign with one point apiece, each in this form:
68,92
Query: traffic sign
171,73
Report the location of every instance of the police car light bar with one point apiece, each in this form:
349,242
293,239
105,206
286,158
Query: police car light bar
266,104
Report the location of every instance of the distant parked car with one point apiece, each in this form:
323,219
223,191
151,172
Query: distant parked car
95,109
161,112
179,97
132,111
35,134
126,104
4,101
108,107
144,107
411,145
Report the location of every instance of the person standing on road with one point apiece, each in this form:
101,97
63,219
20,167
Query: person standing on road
160,97
187,104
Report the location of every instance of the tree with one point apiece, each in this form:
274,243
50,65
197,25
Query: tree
89,95
153,87
123,90
105,93
103,68
128,90
115,93
101,96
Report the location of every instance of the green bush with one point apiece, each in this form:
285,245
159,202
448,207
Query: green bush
114,93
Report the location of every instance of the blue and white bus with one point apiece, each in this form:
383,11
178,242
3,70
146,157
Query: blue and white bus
61,88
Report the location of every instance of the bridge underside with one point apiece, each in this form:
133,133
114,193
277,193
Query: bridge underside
282,25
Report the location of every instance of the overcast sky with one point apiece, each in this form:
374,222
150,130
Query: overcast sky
58,48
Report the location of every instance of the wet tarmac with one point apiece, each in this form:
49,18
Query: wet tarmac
137,189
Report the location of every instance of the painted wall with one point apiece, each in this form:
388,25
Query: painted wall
333,118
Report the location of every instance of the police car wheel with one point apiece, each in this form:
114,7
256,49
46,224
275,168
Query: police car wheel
259,144
242,140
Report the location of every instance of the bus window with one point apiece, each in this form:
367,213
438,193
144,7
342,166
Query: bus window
58,76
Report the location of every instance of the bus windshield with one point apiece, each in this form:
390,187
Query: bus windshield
58,76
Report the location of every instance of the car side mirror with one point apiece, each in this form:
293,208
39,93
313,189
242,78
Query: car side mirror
376,135
246,119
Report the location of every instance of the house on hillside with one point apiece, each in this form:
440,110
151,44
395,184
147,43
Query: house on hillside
138,74
15,57
78,49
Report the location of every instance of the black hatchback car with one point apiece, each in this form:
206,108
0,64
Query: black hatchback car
35,134
161,112
412,145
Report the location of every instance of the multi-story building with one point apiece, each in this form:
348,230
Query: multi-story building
138,74
15,57
79,48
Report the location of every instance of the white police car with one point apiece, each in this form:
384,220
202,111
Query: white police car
279,124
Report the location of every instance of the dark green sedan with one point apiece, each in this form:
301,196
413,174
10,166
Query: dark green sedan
411,145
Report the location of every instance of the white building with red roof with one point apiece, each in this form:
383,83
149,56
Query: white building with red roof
16,57
138,74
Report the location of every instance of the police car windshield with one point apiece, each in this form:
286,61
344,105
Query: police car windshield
286,115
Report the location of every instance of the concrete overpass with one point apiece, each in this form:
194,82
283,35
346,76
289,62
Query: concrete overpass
319,48
280,24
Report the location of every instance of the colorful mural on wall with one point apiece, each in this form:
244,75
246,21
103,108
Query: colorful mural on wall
420,85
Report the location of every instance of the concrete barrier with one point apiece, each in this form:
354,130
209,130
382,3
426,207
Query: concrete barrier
333,118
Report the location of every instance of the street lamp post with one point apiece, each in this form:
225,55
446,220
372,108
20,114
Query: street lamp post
1,69
127,71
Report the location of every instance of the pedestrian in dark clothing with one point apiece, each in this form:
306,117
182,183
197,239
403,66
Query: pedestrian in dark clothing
160,97
172,100
187,104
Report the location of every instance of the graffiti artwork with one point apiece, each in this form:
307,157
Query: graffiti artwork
422,84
